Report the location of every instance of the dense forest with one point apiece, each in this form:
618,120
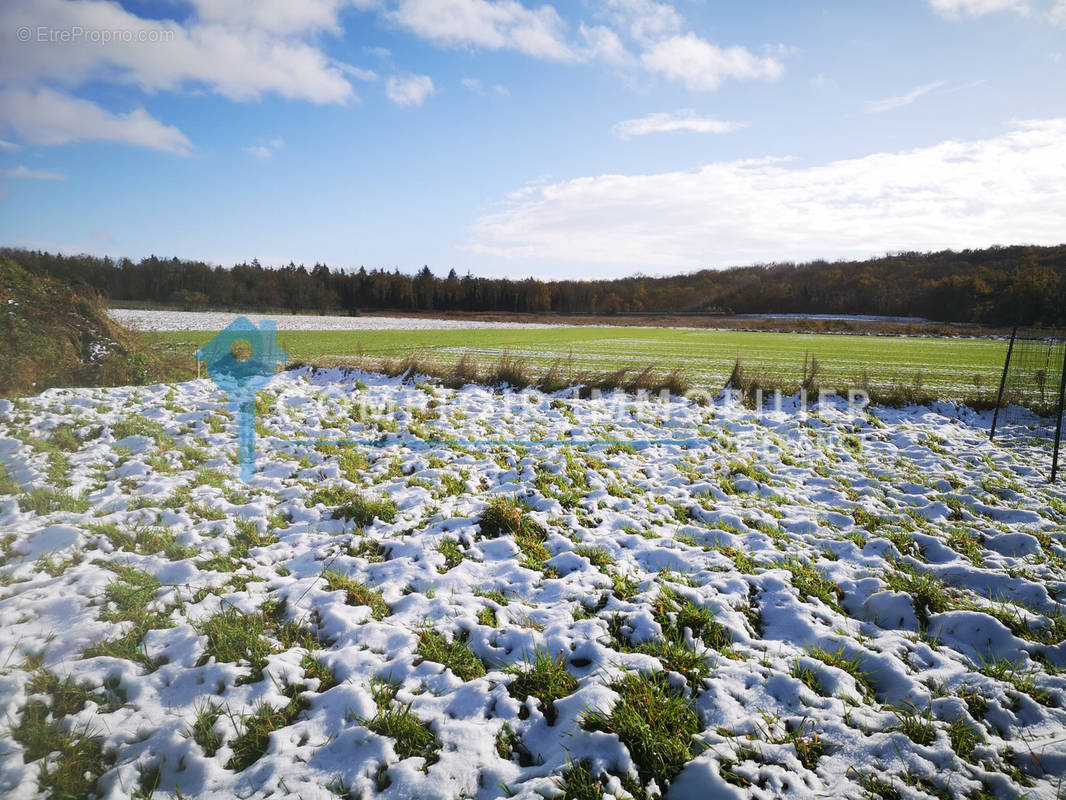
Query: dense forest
1000,286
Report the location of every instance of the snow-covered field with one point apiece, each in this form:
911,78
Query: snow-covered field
158,320
804,605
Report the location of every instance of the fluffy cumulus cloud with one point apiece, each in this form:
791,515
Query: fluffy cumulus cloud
489,24
231,58
977,8
409,90
277,16
631,34
241,51
604,45
702,66
48,117
672,123
244,51
645,21
655,40
953,194
1052,10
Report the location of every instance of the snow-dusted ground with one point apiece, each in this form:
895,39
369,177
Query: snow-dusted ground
157,320
900,540
837,317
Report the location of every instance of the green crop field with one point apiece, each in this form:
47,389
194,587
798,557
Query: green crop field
949,367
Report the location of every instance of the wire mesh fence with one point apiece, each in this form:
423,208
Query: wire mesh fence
1029,406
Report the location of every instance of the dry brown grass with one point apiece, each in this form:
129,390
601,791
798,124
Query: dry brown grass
53,334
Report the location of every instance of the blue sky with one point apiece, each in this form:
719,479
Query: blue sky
578,139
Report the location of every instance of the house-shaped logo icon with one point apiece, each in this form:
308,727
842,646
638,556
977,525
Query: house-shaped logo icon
242,378
235,376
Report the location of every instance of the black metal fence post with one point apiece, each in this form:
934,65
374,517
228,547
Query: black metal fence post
1002,383
1058,421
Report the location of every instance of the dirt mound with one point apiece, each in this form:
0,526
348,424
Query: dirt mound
54,335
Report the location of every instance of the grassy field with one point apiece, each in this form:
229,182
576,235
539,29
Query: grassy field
950,368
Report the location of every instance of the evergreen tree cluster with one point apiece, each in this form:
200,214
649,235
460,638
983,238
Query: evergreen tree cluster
1024,285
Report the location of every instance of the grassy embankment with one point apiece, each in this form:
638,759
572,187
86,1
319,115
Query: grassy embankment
52,335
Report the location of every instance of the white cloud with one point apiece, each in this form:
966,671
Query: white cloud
702,66
1053,10
238,62
48,117
976,8
603,44
905,99
265,150
277,16
954,194
409,91
491,24
33,174
644,20
358,73
654,29
241,51
8,147
477,86
670,123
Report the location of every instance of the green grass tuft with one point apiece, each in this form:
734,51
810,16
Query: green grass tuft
507,516
850,664
918,727
356,593
453,556
543,677
456,655
654,722
42,500
237,638
412,738
578,782
255,730
203,729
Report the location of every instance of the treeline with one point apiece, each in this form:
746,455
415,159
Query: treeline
1023,285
